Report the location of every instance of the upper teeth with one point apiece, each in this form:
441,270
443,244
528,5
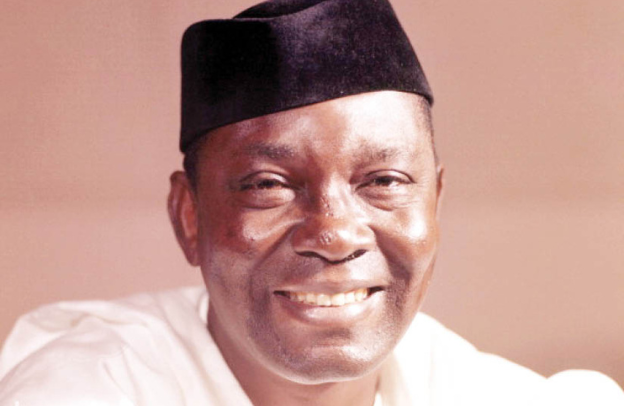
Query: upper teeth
322,299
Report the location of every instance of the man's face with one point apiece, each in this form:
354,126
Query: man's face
316,234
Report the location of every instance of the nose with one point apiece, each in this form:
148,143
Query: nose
334,232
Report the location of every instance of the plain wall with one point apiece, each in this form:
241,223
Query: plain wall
529,118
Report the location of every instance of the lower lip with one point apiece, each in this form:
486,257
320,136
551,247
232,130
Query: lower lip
331,315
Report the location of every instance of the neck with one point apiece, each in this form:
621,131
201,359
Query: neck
266,388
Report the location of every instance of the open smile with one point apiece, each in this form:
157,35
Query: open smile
329,300
329,309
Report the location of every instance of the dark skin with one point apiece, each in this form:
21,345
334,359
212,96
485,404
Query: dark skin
325,199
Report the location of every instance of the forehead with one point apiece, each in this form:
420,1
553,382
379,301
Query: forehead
377,124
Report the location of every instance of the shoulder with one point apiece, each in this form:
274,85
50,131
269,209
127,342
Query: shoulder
81,351
580,387
457,373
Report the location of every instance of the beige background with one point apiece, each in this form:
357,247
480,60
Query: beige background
530,124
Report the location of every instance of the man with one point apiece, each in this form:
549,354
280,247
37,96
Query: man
309,200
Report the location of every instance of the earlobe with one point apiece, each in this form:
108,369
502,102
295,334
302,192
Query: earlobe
183,215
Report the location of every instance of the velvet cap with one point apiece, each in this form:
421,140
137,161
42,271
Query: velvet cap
283,54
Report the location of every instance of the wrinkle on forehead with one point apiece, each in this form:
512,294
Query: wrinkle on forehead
355,117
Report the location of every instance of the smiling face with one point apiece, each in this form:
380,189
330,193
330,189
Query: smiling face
316,232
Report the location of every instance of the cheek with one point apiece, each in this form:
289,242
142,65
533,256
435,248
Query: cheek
411,240
233,244
243,231
410,247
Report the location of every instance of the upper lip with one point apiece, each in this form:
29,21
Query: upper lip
310,276
330,287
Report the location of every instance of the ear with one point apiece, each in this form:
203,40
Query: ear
182,209
440,188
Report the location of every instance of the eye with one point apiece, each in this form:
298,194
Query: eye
387,189
386,179
263,184
265,190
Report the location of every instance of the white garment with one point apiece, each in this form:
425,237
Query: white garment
154,349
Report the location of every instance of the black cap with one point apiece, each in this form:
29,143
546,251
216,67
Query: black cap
284,54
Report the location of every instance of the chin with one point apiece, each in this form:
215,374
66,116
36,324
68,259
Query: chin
329,365
316,355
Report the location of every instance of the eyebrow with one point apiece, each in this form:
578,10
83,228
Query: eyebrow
274,152
370,153
366,154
